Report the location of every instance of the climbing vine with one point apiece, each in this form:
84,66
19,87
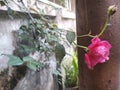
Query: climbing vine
39,35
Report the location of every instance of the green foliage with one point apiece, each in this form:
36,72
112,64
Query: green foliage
10,13
43,36
14,60
38,35
71,71
28,61
70,36
59,76
34,65
60,52
31,63
31,35
58,72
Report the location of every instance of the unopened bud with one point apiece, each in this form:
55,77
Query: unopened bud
111,10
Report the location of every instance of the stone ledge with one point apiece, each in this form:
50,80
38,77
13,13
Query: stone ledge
49,8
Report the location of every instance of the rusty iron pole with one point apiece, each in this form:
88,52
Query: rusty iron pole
90,16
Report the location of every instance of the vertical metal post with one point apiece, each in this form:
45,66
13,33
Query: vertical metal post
90,16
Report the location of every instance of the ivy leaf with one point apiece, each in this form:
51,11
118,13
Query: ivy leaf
27,49
27,58
37,63
59,51
23,30
31,63
23,27
32,66
70,36
51,39
10,13
14,60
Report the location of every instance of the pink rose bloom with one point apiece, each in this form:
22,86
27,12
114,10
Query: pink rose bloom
98,52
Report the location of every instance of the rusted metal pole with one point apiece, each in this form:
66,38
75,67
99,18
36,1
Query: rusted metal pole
90,16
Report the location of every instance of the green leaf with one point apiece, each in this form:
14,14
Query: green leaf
32,66
57,72
37,63
14,60
70,36
59,51
23,27
75,66
51,39
27,49
27,58
10,13
31,63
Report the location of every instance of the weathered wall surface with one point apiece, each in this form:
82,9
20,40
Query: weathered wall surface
42,80
7,36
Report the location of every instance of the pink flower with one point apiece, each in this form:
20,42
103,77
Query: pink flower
98,52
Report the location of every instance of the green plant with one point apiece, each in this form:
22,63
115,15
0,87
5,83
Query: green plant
27,60
41,35
38,35
71,72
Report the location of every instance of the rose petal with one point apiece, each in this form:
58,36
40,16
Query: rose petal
87,61
94,42
98,52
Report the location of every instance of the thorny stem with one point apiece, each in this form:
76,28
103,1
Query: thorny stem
111,10
86,35
104,26
80,46
102,30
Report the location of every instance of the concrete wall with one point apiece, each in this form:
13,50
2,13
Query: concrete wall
8,39
7,36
